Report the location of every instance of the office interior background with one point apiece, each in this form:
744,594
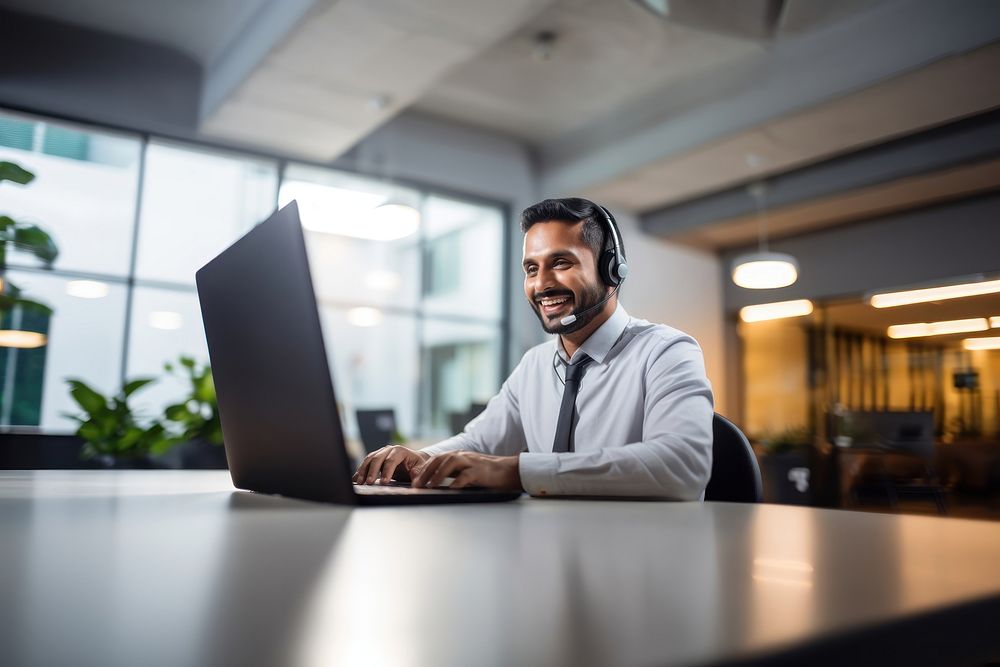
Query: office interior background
860,139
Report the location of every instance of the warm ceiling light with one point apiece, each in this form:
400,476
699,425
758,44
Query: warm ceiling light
919,329
776,311
166,320
87,289
765,270
990,343
24,340
364,316
995,322
890,299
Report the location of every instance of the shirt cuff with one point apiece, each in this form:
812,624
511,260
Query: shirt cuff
538,473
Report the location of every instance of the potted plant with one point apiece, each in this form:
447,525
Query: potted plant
194,419
788,465
114,436
24,321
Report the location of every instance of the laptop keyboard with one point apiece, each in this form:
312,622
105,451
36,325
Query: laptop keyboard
401,490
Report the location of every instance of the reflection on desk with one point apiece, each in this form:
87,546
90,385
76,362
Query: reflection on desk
178,568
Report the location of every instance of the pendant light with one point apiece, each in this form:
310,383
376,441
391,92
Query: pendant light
764,269
396,217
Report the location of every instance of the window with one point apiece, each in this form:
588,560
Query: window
194,204
83,194
408,282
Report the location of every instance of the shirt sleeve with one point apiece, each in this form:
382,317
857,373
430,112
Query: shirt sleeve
673,459
497,430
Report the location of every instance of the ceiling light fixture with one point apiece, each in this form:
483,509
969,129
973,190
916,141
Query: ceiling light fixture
24,340
382,281
776,311
763,269
920,329
395,218
363,316
166,320
87,289
907,297
987,343
344,212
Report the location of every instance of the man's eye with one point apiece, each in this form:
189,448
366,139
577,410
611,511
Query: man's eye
531,270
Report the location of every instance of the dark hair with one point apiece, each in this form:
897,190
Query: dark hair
570,210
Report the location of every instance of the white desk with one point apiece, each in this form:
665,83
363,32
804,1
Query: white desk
177,568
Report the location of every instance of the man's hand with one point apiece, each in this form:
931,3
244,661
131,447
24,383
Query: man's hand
470,469
392,461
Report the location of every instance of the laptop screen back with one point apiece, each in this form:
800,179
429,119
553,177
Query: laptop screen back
277,404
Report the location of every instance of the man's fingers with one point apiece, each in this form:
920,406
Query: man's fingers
466,478
447,469
375,466
389,467
428,469
362,472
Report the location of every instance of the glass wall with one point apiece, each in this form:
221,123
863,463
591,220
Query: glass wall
408,281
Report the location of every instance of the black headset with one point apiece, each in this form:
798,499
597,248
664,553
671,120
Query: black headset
611,264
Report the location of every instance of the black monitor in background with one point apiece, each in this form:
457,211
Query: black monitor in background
902,430
377,427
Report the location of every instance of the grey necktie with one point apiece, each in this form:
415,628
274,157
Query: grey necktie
563,441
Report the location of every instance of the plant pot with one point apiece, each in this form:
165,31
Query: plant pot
132,462
201,455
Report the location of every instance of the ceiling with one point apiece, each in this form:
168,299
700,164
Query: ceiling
634,109
201,29
860,316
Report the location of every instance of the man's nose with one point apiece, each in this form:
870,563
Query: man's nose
544,279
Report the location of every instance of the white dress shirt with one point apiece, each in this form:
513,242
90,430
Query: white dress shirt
645,416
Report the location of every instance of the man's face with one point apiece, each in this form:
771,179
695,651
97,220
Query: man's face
560,275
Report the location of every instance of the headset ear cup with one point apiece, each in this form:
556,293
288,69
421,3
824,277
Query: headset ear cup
622,271
609,268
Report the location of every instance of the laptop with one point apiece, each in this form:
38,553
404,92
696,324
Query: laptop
280,423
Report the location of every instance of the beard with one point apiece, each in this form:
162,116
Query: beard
590,296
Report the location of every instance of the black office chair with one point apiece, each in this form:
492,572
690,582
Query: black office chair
735,473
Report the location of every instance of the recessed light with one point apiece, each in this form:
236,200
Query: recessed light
907,297
919,329
87,289
166,320
776,311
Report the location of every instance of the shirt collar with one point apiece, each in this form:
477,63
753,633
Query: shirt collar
599,343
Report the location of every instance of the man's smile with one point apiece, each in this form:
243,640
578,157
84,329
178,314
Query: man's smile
556,304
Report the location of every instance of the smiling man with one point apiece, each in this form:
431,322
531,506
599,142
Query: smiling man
612,406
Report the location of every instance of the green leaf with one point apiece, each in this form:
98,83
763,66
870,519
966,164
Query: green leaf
204,388
136,385
6,222
131,436
33,239
90,432
187,362
177,413
88,399
11,172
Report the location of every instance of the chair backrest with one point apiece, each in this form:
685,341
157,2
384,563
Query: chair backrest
735,473
377,427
